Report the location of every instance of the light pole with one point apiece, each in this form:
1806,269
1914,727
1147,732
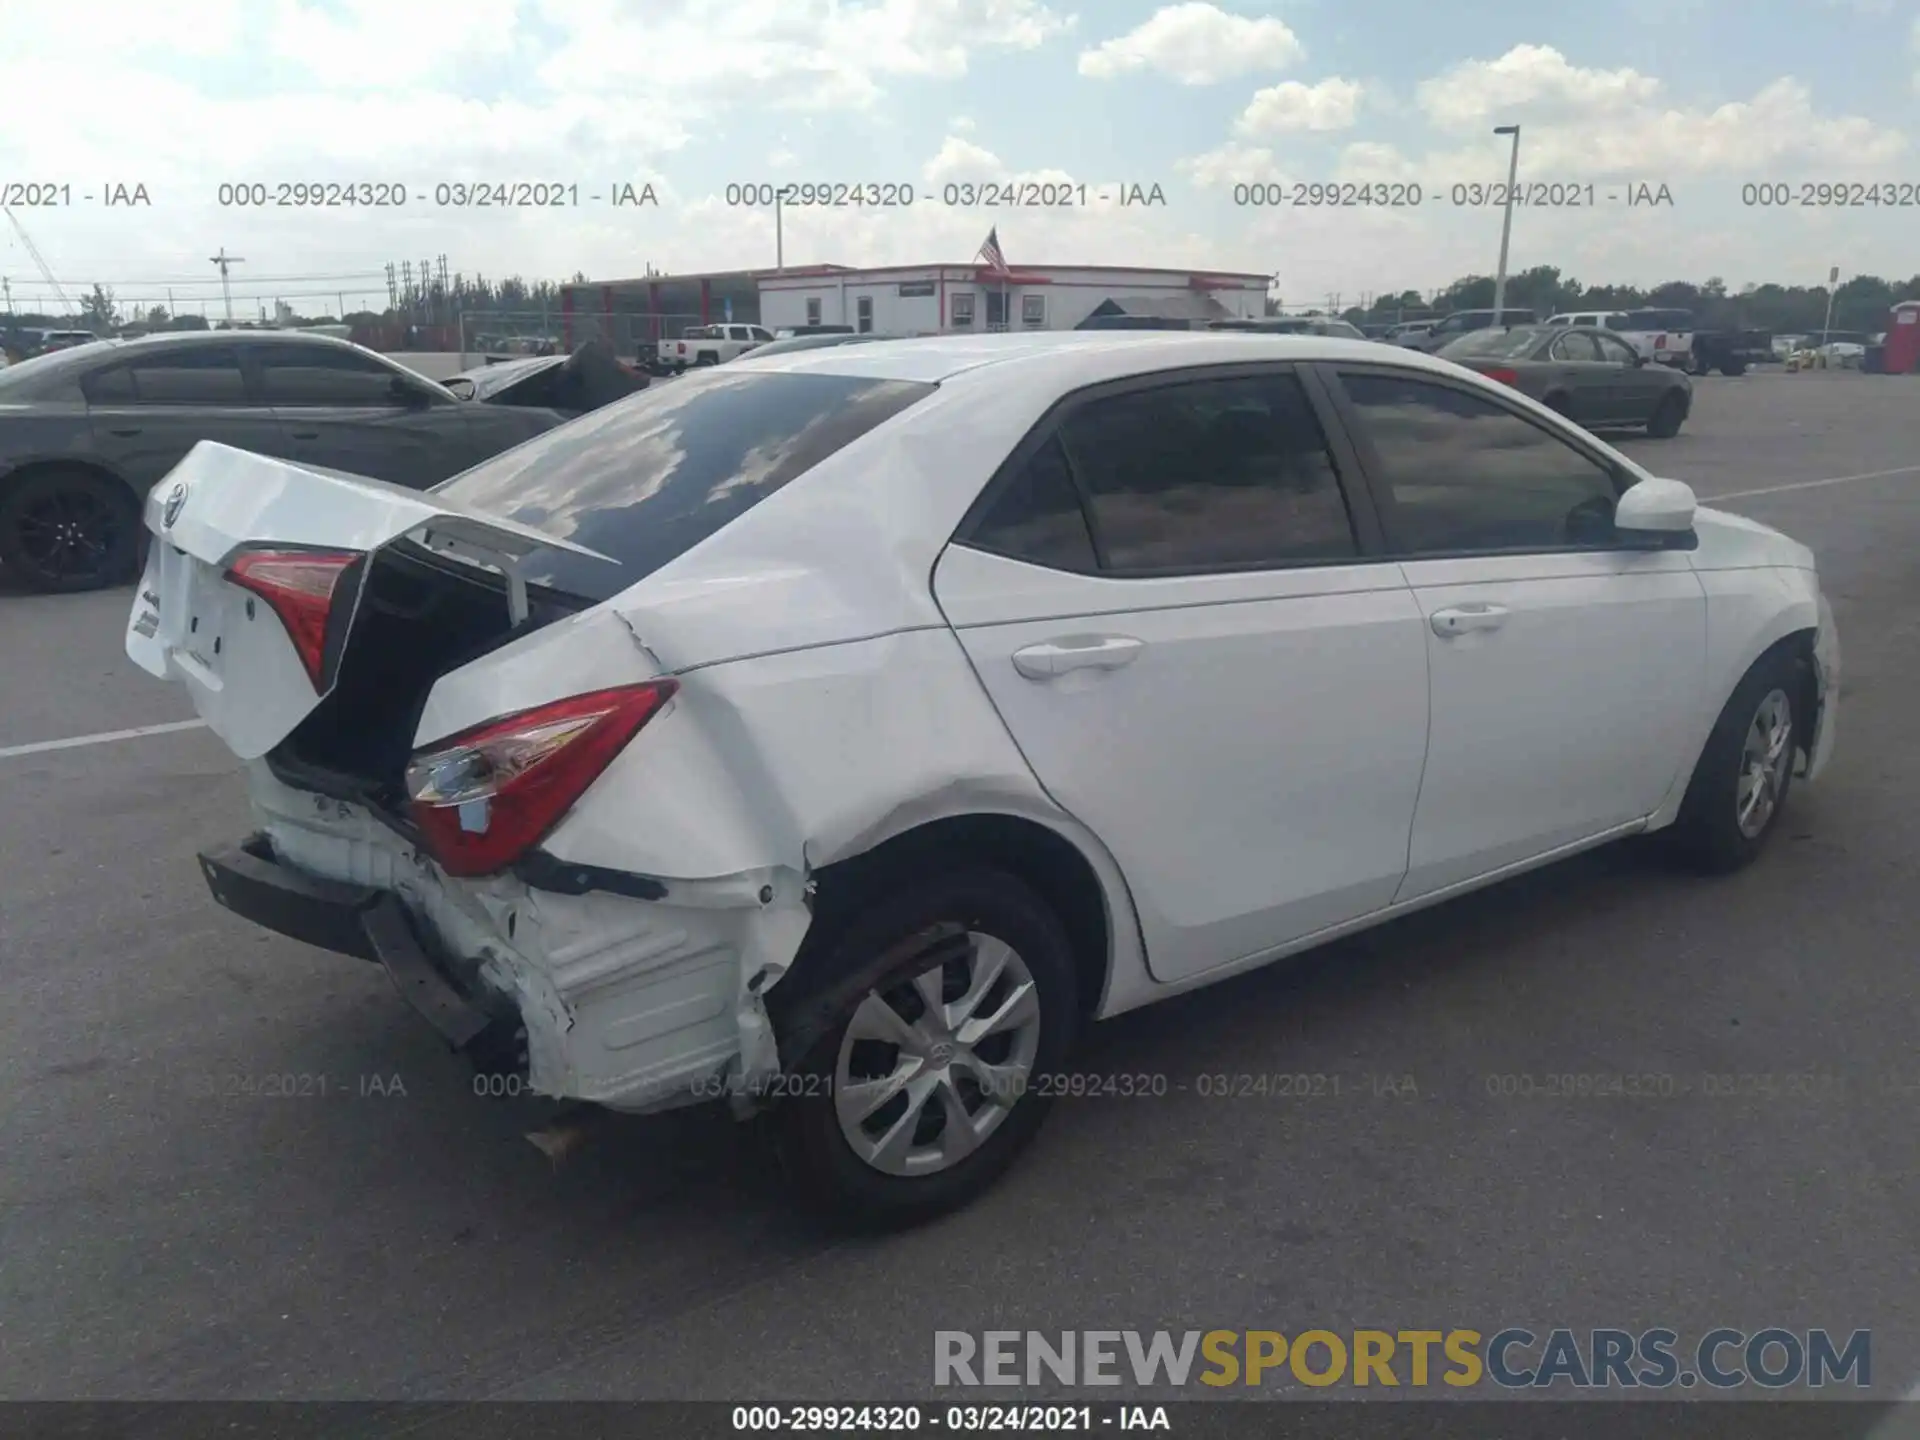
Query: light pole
1506,224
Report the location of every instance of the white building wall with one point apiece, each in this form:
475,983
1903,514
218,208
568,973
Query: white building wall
1070,297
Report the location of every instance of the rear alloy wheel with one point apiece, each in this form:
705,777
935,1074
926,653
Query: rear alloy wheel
1740,784
1667,416
924,1078
66,529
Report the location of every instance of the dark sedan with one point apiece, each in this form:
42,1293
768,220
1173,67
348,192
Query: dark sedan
86,433
572,384
1589,376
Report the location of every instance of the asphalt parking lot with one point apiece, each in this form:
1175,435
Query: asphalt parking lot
166,1234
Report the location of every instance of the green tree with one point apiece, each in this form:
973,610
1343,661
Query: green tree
98,311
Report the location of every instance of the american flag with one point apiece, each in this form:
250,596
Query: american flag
990,252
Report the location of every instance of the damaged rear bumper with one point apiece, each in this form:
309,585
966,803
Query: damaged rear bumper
635,1002
355,920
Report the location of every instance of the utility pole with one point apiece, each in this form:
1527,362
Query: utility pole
1506,225
224,260
6,288
779,238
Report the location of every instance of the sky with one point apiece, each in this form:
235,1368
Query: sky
1206,109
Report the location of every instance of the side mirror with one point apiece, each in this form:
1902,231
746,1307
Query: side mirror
1656,515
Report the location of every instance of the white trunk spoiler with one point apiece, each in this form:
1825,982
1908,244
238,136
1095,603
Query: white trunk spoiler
190,624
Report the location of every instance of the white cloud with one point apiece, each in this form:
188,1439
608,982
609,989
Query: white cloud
1537,77
372,44
1331,104
820,54
116,29
1231,164
1580,123
1197,44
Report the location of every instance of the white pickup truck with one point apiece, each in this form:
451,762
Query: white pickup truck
710,345
1672,337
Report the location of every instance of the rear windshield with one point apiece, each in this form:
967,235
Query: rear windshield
646,479
1501,344
52,375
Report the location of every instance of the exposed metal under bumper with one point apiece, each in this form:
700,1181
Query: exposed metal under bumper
355,920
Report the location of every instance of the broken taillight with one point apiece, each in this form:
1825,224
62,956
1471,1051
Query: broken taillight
299,586
485,797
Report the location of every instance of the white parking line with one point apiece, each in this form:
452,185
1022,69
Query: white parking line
1808,484
105,737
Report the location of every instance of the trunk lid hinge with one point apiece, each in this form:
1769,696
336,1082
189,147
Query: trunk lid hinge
518,608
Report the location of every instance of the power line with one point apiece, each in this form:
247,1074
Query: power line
256,279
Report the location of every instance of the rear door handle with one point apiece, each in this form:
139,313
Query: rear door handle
306,434
124,430
1076,652
1459,619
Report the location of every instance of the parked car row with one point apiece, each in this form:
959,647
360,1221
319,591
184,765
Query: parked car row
87,432
844,730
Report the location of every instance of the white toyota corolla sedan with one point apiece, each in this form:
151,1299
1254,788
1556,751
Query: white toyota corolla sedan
843,732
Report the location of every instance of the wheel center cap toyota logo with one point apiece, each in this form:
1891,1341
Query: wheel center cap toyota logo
176,502
941,1053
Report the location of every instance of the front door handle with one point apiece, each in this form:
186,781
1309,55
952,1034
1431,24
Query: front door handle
1460,619
1076,652
127,430
306,434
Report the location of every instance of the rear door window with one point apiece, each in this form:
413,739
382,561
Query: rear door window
200,375
646,479
1210,474
1038,517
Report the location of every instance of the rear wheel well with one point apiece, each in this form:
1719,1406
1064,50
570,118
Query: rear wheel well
1043,859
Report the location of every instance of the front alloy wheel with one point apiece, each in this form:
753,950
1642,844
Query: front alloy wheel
1765,760
1739,786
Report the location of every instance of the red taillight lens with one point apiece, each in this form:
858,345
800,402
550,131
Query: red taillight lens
300,586
1505,377
485,797
1659,342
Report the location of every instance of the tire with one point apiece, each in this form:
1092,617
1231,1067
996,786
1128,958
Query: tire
1734,368
1715,833
1560,405
872,960
1667,416
707,357
64,529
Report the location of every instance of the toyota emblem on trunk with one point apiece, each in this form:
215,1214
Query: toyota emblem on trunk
176,502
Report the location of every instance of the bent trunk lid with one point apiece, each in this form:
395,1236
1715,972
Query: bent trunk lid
190,623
